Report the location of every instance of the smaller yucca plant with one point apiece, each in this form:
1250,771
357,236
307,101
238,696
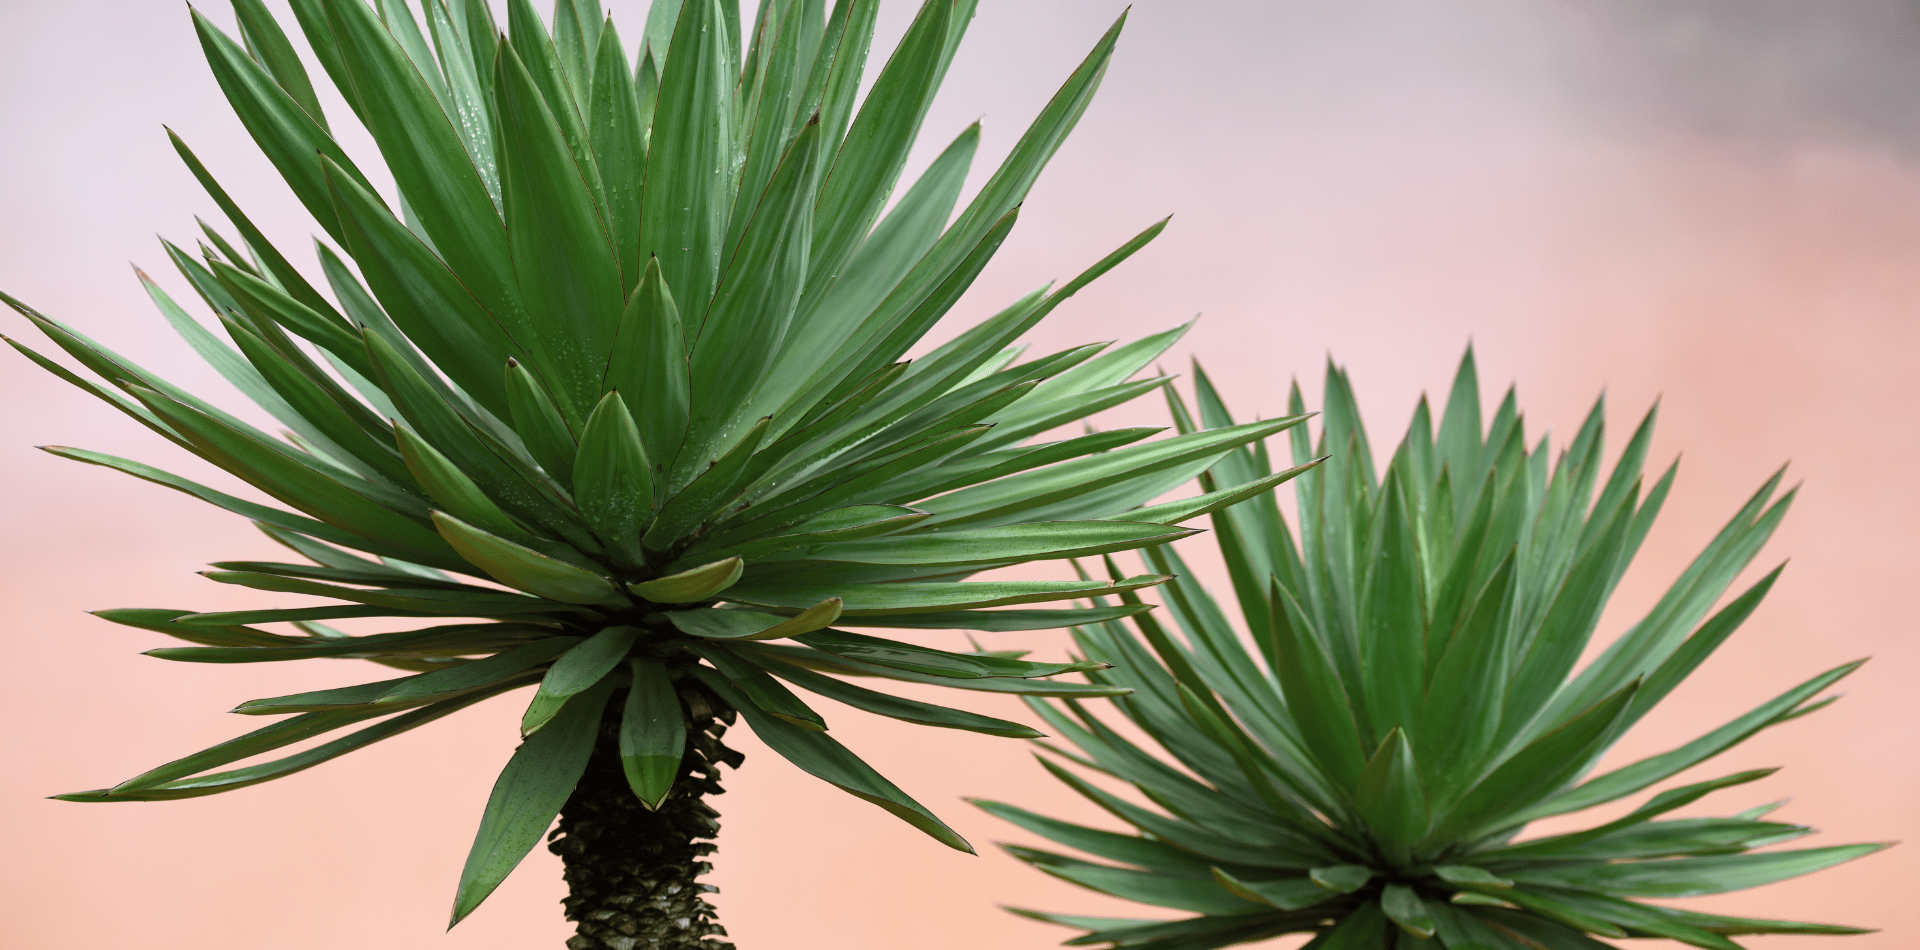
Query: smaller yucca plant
1411,704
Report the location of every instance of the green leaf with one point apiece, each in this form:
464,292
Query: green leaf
1207,503
618,131
737,344
1245,843
321,412
242,507
1200,895
765,99
691,585
1545,931
1748,925
427,301
919,659
1569,620
399,21
281,270
683,210
1287,893
896,707
324,700
705,497
161,621
262,300
1341,878
1631,778
1661,631
661,17
653,733
428,160
869,161
1002,621
440,684
284,476
526,569
863,483
1010,544
1686,836
1683,661
1405,908
270,46
1556,909
563,93
450,487
458,602
291,138
1460,720
1536,771
1127,849
839,299
1691,877
820,756
1393,623
852,523
576,37
539,423
863,600
649,364
240,646
565,266
463,34
765,691
1468,874
612,479
1055,483
503,471
821,660
224,618
1315,695
1364,929
1390,799
265,739
1664,802
715,624
218,782
575,671
527,796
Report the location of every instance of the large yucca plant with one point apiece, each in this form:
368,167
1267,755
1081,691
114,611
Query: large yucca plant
613,395
1406,701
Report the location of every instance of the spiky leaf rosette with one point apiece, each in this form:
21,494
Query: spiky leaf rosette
1408,702
613,394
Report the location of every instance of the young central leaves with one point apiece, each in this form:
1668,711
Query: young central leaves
1363,768
628,336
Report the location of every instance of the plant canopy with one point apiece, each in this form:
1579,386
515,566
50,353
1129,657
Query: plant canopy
609,395
1407,700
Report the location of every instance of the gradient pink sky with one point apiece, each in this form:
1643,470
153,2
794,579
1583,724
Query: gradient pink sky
1361,180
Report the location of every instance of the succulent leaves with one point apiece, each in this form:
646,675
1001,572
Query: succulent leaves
630,341
1410,700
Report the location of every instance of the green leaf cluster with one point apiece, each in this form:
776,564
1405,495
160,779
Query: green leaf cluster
608,394
1407,698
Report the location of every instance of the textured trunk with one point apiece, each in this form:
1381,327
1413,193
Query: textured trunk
633,874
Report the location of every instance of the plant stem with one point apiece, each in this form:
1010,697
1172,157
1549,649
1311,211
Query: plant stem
632,874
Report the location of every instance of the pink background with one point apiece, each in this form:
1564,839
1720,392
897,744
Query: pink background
1357,179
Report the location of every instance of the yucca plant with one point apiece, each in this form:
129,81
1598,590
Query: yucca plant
1360,763
613,394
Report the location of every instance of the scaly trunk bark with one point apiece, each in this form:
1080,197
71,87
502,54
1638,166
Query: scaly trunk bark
632,874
